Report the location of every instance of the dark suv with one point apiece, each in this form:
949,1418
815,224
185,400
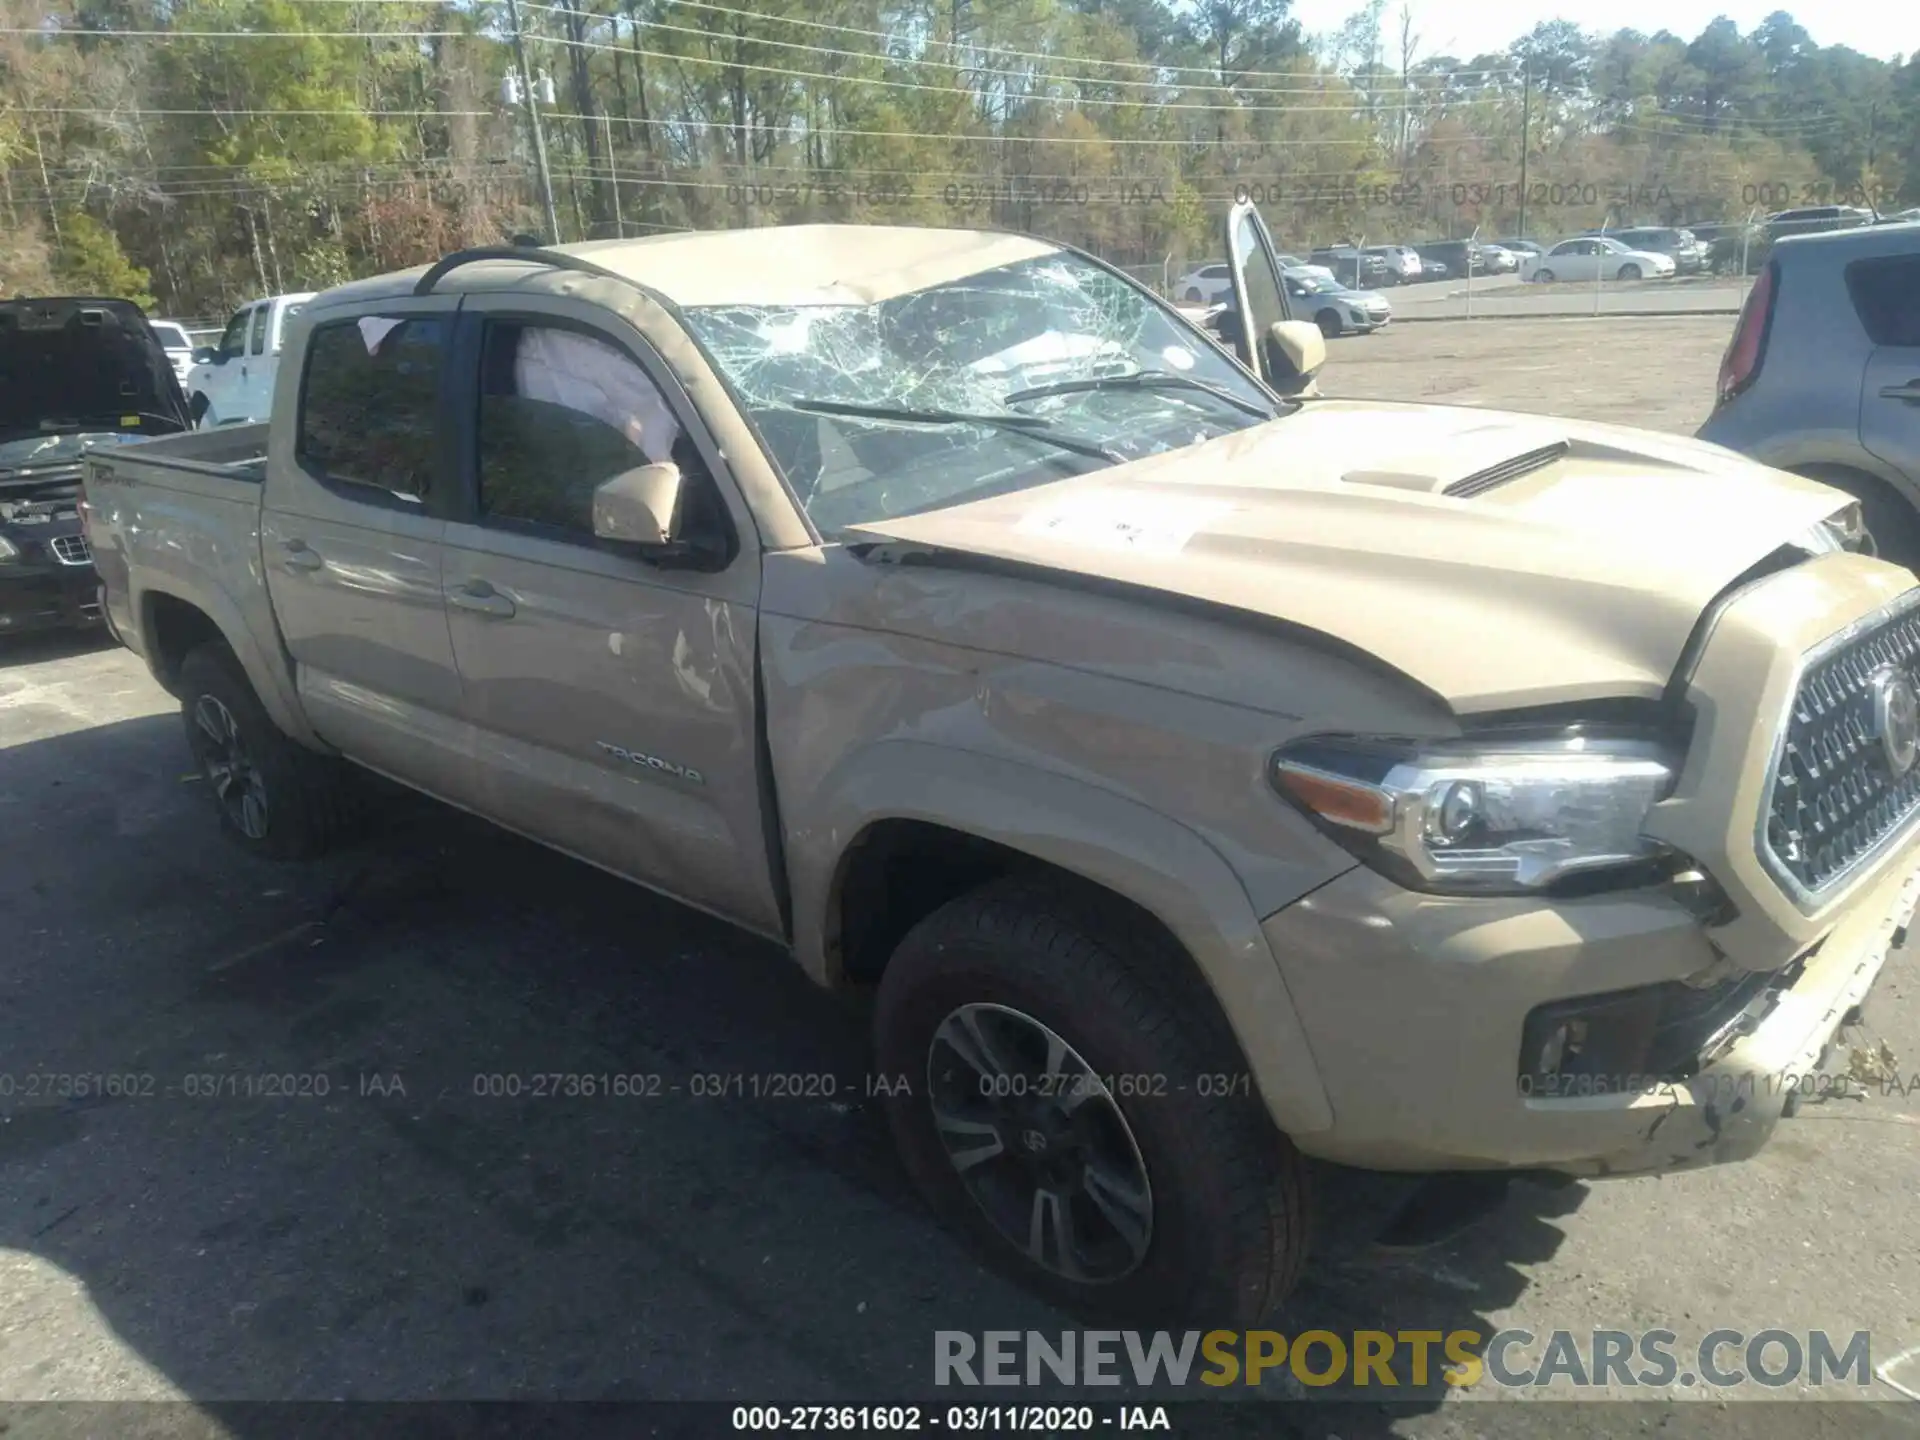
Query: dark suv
1822,376
1359,269
75,372
1456,255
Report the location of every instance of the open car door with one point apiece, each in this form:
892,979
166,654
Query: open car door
1282,351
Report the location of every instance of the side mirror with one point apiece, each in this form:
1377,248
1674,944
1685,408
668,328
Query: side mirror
205,355
1301,344
639,506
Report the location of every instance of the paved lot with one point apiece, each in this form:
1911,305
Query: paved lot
419,1240
1507,297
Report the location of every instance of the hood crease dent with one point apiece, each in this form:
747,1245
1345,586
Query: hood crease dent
1580,578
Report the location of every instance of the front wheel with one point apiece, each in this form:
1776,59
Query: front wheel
1329,323
1628,272
1076,1112
275,798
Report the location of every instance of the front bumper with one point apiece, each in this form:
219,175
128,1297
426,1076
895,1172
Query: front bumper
1416,1007
41,591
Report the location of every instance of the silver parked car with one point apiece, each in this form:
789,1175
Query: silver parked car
1822,375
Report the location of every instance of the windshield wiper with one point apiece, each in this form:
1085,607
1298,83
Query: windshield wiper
1142,380
1035,426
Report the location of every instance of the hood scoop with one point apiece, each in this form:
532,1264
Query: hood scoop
1507,471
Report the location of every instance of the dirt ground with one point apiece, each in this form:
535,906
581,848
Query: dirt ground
1656,372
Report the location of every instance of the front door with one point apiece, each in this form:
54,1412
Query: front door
612,703
1886,295
219,380
351,539
1259,296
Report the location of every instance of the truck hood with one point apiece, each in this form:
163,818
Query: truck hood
1499,560
81,364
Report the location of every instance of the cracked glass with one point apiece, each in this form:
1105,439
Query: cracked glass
949,363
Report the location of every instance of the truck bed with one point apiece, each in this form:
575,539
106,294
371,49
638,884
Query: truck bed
237,452
178,518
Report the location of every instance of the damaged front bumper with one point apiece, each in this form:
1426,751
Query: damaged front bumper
1729,1109
1424,1013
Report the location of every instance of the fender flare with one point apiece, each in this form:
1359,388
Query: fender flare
266,669
1104,838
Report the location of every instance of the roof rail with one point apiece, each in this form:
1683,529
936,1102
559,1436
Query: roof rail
526,254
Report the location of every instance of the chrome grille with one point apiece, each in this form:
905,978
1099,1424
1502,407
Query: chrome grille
1837,799
71,549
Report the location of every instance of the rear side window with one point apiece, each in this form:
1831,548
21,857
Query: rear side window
370,402
1886,297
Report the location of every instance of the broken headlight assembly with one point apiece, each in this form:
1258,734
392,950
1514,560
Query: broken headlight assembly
1508,814
1844,530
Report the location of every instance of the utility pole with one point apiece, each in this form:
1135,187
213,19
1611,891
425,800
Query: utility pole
1873,115
613,177
1526,114
533,118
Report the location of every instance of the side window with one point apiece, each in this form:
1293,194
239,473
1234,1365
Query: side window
234,341
561,413
257,341
370,402
1886,297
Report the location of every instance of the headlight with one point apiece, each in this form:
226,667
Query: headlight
1845,529
1510,814
8,551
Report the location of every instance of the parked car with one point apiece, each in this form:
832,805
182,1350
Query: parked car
1815,219
75,371
1681,246
992,642
1456,256
1734,248
1595,257
1499,260
1204,285
178,344
1403,263
1822,375
1335,308
1349,266
232,383
1294,262
1520,249
1902,217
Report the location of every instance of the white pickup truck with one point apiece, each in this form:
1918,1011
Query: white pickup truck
231,383
1206,773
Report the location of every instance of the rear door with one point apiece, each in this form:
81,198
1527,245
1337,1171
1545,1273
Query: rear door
612,702
1886,296
351,539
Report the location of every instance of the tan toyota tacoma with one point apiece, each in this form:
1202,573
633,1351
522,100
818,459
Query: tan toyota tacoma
1205,773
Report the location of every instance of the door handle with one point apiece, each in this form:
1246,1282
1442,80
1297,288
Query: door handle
295,555
1909,392
481,598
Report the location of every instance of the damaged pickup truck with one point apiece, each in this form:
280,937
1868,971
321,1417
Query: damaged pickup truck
1207,774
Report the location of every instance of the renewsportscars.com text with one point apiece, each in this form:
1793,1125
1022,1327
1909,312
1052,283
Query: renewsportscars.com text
1504,1359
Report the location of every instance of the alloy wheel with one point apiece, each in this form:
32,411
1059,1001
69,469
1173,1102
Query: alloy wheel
1040,1143
237,782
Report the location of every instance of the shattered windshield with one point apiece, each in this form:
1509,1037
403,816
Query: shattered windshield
939,374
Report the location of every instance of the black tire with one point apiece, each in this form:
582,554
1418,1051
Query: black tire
1628,272
308,802
1194,297
1543,277
1329,323
1229,1208
198,407
1889,518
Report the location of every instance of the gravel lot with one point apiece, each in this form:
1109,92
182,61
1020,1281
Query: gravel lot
401,1237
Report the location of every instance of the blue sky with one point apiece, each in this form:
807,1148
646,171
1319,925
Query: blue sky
1468,27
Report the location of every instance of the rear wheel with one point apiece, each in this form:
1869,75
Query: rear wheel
1194,297
1329,323
1543,277
275,798
1080,1116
